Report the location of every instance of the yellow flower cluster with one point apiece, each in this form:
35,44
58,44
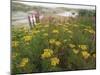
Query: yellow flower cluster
24,62
53,41
65,29
94,55
27,38
69,31
57,43
54,61
47,53
45,34
55,31
15,44
71,45
83,47
76,51
85,54
14,55
35,31
90,30
75,25
46,25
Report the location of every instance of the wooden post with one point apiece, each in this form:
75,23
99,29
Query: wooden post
30,24
33,21
37,15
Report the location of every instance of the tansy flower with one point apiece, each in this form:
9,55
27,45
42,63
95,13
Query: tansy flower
75,25
66,29
91,31
94,55
46,25
65,40
24,62
75,51
45,34
71,45
85,54
83,47
35,31
47,53
54,61
69,31
55,31
42,30
52,41
15,44
57,43
27,38
14,55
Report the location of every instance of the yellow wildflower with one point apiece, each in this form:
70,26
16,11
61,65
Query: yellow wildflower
55,31
85,54
42,30
52,41
35,31
65,40
91,31
57,43
66,29
46,25
94,55
14,55
71,45
69,31
15,44
27,38
75,51
83,47
47,53
54,61
24,62
45,34
75,25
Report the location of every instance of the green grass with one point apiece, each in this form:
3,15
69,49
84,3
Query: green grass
76,33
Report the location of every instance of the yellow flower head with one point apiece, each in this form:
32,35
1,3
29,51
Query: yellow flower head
27,38
47,53
52,41
55,31
15,44
71,45
91,31
35,31
69,31
42,30
94,55
46,25
75,25
14,55
75,51
24,62
57,43
45,34
54,61
66,29
85,54
83,47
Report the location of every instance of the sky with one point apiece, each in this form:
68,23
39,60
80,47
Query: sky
56,5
